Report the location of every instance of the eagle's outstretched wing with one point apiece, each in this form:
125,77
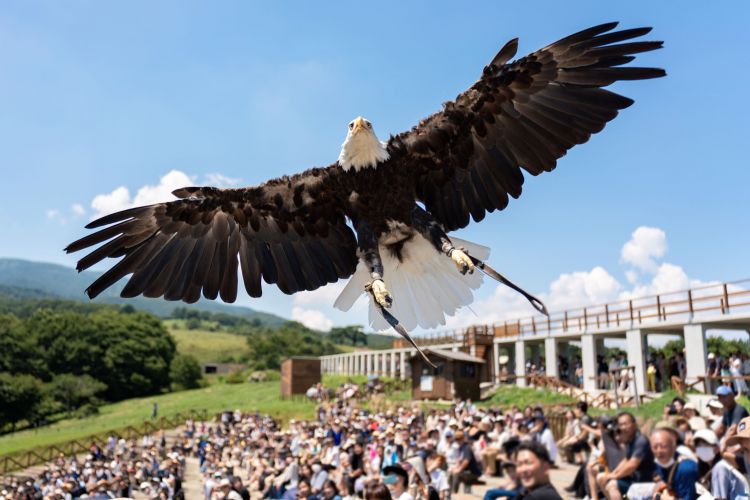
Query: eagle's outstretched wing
291,231
468,157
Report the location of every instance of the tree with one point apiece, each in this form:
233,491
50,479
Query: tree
185,371
17,348
130,353
74,391
21,396
348,335
270,346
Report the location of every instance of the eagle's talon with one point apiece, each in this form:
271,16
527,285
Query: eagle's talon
381,295
462,261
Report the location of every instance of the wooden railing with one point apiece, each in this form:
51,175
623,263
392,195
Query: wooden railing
720,298
43,454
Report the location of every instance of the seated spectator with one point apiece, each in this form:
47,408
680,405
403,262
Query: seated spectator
466,470
533,464
675,474
397,480
637,466
716,475
732,413
542,433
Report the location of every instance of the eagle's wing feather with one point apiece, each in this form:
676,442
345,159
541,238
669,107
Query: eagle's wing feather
290,232
467,158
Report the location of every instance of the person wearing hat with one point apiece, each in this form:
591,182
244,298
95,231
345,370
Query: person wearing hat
467,468
716,475
733,413
676,474
397,480
533,464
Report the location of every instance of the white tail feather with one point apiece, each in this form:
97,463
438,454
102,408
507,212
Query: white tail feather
426,286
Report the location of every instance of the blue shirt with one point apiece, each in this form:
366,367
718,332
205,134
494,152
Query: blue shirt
684,479
725,483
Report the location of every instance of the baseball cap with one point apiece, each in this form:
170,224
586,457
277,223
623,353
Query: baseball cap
724,391
743,433
706,435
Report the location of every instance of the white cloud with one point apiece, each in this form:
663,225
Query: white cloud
312,318
597,286
120,199
645,245
77,209
104,204
172,180
221,181
52,214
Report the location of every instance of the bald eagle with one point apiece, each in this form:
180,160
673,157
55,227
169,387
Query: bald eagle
380,215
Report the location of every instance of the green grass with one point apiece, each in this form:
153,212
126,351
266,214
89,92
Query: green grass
263,397
205,346
510,395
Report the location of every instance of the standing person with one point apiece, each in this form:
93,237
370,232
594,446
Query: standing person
712,370
676,474
735,370
532,465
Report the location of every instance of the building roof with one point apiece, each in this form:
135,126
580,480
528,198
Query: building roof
455,356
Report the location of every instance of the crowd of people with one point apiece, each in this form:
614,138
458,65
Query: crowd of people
121,469
348,453
687,455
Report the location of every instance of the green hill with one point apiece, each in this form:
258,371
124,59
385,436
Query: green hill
38,280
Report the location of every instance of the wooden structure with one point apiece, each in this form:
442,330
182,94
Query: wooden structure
456,375
298,375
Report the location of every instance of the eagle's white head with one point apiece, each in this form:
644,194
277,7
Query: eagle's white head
361,148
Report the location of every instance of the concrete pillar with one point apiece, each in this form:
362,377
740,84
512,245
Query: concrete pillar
393,365
550,356
496,362
588,361
404,355
696,352
520,366
637,357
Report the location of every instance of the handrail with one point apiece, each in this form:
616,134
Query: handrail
43,454
720,298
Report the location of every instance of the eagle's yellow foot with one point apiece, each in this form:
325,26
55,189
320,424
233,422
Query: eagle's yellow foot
462,261
379,293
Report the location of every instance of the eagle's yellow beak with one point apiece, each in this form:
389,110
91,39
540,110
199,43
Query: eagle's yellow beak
359,123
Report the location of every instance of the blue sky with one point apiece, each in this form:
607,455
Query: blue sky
98,96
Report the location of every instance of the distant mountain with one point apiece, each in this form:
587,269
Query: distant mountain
36,280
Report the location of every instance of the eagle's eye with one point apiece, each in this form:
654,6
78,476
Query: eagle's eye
351,125
369,125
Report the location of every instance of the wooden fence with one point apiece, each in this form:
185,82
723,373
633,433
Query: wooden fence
43,454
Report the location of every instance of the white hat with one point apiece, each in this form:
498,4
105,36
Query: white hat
715,403
706,435
689,406
224,482
711,355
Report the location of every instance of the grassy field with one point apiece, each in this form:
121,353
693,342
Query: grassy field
510,395
207,346
263,397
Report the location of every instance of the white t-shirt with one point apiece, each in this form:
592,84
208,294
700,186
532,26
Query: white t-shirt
548,440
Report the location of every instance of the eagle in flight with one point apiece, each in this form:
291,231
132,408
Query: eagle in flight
380,215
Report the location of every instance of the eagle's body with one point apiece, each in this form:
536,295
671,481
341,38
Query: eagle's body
380,214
